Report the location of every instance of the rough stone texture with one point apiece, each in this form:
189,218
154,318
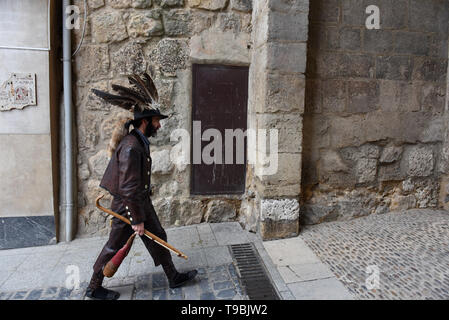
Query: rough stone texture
284,209
145,24
169,3
219,210
208,4
390,154
129,59
277,229
420,162
92,63
242,5
94,4
384,88
141,4
171,55
108,26
177,22
119,4
98,163
161,162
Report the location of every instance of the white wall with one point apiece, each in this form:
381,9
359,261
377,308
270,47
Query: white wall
25,147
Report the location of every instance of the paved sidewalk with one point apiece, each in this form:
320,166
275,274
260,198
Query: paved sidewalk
305,276
44,272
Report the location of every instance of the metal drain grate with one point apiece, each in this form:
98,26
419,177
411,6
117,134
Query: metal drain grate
252,273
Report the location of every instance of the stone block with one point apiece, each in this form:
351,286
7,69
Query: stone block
285,93
270,229
434,131
242,5
278,190
399,96
141,4
108,26
363,96
324,11
92,63
429,16
229,22
400,202
177,22
418,120
412,43
391,154
219,211
337,65
172,54
94,4
334,96
378,41
288,170
438,48
208,4
330,162
145,24
420,161
169,3
346,38
318,213
393,67
431,97
289,130
346,131
129,59
429,69
119,4
366,170
98,163
161,162
287,57
223,46
276,210
287,26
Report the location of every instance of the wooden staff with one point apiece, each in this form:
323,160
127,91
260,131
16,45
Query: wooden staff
147,233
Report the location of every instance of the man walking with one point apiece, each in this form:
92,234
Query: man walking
128,179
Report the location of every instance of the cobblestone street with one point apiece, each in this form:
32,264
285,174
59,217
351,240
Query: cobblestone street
410,249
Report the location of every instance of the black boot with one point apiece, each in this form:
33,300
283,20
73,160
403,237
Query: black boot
176,279
96,291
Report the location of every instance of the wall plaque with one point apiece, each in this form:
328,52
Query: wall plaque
18,91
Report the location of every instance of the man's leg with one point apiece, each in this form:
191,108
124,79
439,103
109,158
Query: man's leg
162,256
117,239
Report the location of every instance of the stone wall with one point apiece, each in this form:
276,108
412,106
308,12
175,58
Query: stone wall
276,101
373,123
165,36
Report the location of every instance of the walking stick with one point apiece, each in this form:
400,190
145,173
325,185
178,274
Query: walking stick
147,233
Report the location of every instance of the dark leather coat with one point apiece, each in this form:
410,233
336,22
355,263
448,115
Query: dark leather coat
128,177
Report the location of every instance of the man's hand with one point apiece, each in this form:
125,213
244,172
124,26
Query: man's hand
138,228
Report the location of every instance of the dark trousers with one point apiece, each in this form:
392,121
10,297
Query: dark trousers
121,232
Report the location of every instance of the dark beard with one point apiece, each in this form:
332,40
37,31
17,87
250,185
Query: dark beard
150,131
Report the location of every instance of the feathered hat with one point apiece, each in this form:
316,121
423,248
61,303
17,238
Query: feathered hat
142,99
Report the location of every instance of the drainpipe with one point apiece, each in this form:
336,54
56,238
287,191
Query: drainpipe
67,67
